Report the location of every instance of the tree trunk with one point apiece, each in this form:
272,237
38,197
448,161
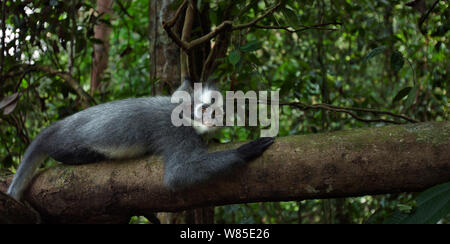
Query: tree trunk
164,54
359,162
168,66
100,56
3,43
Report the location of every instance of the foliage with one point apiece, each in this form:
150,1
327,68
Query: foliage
432,204
377,54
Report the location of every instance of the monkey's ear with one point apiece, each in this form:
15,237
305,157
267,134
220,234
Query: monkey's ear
186,85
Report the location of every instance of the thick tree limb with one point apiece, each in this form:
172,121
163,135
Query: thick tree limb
347,163
14,212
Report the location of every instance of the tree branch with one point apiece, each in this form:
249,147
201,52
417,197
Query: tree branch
224,26
256,20
186,58
349,110
221,31
302,28
425,16
359,162
170,23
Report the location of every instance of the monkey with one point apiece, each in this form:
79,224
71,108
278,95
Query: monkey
132,128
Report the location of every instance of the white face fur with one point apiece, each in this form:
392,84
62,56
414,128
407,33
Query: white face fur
204,124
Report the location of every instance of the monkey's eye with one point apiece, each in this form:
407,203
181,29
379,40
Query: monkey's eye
204,107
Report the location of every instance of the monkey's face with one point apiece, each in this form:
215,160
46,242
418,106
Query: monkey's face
208,109
206,106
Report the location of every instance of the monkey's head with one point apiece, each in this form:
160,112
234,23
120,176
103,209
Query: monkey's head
206,106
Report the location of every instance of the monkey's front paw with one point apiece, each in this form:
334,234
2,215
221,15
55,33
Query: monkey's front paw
255,148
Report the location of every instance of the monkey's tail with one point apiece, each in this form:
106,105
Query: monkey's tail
32,159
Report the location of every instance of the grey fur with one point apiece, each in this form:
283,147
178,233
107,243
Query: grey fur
130,128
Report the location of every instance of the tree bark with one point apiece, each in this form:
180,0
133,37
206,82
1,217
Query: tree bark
100,56
3,43
359,162
14,212
166,70
164,54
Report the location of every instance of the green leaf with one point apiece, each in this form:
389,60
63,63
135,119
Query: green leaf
432,192
213,17
433,204
374,53
249,6
411,96
251,46
401,94
291,17
397,61
404,208
234,57
397,218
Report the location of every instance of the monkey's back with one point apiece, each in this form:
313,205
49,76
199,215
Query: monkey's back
116,130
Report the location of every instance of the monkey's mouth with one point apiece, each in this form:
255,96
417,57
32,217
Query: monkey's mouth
209,123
